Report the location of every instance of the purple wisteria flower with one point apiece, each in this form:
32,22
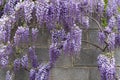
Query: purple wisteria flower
43,72
58,35
32,74
106,67
73,43
3,57
111,41
118,22
111,8
1,2
9,8
102,37
33,57
55,36
52,16
112,22
54,53
41,11
118,2
21,35
67,14
17,64
108,30
9,76
100,6
4,61
85,21
24,61
117,40
28,9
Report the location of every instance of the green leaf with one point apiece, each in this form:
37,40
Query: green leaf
106,2
119,9
104,22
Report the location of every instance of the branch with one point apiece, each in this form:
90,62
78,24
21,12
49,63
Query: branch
99,26
93,44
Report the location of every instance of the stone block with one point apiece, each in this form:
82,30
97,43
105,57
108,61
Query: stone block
70,74
87,57
43,54
94,74
64,61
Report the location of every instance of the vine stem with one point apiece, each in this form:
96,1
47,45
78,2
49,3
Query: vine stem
92,44
99,26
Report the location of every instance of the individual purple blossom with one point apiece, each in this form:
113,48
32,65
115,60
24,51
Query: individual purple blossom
32,74
84,2
118,22
13,2
9,76
24,61
58,35
101,36
83,7
85,21
7,28
1,2
4,61
54,53
55,36
107,30
62,34
21,35
106,67
43,72
33,57
72,13
9,8
112,22
92,4
28,9
111,41
100,6
17,64
41,11
18,34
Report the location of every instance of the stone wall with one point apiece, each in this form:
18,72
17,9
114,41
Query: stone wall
80,67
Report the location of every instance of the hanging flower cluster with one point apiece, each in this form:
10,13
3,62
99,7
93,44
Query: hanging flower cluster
106,65
21,21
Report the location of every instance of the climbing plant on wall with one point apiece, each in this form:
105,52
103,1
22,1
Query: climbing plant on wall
21,20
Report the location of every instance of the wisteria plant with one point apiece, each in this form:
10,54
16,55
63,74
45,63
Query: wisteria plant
21,21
